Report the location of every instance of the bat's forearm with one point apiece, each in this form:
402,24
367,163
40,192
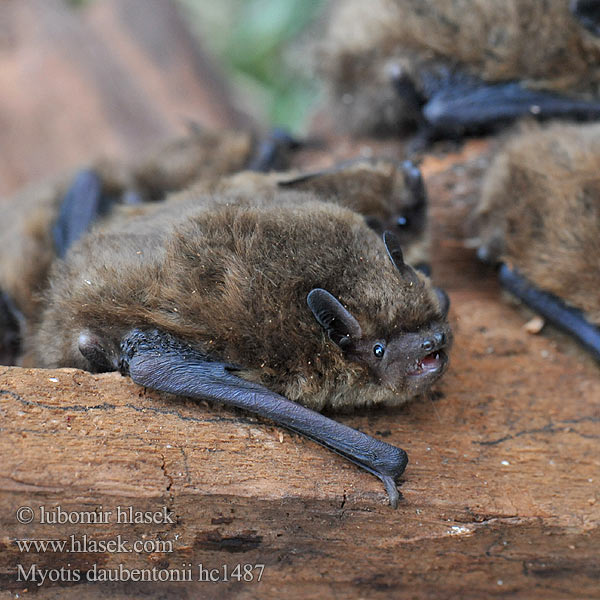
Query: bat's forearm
160,362
553,309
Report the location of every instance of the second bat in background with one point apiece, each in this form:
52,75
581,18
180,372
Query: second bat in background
539,215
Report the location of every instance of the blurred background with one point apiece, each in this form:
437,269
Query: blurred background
258,44
88,78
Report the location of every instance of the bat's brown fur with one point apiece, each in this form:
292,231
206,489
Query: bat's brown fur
231,277
27,246
374,188
26,226
201,155
540,211
367,43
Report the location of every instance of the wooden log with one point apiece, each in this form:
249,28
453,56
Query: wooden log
500,495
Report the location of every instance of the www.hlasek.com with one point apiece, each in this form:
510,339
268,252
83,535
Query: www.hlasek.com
84,543
186,573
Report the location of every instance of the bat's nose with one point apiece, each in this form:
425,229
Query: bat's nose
439,338
435,342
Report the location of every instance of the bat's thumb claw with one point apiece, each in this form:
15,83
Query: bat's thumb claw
391,489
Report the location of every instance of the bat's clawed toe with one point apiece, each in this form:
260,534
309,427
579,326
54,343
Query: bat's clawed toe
392,490
100,358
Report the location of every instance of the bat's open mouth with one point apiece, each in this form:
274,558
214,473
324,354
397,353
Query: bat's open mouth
430,364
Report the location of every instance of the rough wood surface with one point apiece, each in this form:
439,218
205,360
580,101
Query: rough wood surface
500,496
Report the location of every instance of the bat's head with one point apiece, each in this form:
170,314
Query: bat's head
391,196
406,214
410,352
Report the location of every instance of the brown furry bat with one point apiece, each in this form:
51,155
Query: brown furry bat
458,66
390,195
540,214
28,242
254,303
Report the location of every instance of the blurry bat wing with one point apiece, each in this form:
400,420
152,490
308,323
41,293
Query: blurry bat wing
553,309
11,328
272,153
588,14
79,209
475,107
161,362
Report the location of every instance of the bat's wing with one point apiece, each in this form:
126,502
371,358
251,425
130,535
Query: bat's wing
11,326
588,14
161,362
272,153
81,206
552,309
474,106
84,202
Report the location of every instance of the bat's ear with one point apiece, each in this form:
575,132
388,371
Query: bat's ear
413,179
392,245
341,327
443,300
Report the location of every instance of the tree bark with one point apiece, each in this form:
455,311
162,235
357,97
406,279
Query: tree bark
500,495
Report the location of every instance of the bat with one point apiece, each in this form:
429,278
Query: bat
539,215
390,195
458,67
200,155
46,219
282,306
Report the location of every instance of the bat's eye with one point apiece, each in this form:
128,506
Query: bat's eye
378,350
403,222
